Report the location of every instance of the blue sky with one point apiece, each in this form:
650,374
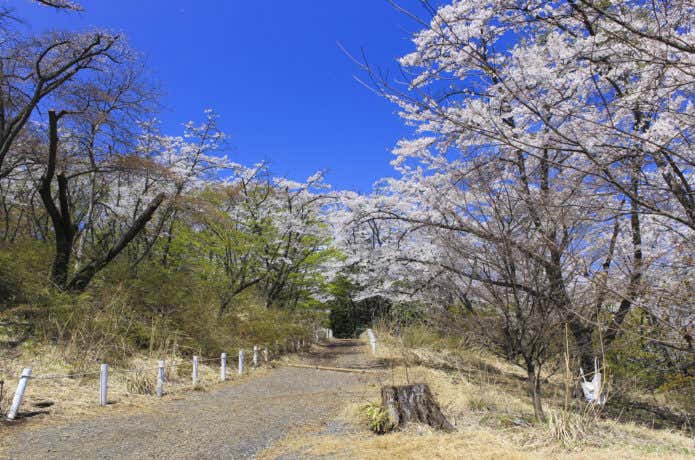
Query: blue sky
272,70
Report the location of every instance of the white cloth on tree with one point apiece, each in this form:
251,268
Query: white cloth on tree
592,389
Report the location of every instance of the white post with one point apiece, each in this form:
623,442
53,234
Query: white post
299,347
195,370
241,362
372,340
277,349
103,384
19,393
223,366
255,356
160,378
265,353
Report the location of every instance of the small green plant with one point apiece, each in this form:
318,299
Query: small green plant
377,419
478,404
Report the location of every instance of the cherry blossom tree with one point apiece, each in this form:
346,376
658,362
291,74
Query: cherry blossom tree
551,156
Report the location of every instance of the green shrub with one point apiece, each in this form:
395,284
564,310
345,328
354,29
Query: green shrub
419,336
377,419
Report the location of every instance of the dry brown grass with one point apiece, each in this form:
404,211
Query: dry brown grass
485,398
72,398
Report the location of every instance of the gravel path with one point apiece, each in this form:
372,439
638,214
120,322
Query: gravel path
230,422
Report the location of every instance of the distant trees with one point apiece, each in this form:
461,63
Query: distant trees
264,234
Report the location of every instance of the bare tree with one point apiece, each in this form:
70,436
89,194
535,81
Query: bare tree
33,69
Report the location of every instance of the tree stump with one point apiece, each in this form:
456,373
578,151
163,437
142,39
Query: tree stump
412,403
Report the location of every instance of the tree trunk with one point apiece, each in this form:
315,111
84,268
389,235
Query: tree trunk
633,288
60,215
412,403
83,277
583,339
534,383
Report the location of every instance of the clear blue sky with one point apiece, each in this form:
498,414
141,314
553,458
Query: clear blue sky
272,70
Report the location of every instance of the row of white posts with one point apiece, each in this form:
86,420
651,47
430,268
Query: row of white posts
104,373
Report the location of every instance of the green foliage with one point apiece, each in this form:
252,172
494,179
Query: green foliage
638,362
349,318
23,273
377,418
422,336
169,301
680,390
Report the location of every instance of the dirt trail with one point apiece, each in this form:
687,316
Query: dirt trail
237,421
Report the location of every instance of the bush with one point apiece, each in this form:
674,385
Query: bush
377,419
139,382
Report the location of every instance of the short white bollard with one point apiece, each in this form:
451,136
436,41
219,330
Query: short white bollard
223,366
372,340
195,371
241,362
255,356
299,346
103,384
19,393
265,354
160,378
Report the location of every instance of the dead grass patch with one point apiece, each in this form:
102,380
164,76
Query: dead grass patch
485,399
131,385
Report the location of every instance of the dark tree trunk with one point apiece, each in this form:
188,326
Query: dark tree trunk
61,219
583,339
636,275
83,277
412,403
534,385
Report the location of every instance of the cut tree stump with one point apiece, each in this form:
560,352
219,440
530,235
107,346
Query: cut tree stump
413,403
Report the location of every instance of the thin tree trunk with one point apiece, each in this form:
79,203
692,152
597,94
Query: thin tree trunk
534,385
635,277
